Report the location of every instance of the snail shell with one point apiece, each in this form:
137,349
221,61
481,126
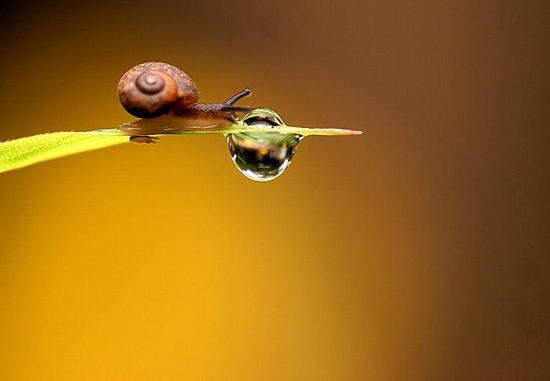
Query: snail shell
151,89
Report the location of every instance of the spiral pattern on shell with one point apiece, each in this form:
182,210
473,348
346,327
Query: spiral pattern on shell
154,88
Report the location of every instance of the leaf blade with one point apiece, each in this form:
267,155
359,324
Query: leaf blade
19,153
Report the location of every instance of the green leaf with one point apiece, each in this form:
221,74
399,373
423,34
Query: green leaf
173,125
22,152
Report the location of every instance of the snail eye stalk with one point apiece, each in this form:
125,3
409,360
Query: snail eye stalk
237,97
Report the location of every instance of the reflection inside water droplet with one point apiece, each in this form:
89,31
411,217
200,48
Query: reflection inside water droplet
262,156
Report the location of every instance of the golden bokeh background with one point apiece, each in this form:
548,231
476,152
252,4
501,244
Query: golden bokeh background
418,250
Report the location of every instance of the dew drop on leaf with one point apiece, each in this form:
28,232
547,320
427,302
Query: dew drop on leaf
262,156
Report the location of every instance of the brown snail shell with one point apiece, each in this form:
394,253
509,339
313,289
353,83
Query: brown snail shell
151,89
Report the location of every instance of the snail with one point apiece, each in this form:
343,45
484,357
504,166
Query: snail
153,89
167,100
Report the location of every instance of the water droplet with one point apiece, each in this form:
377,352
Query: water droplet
262,156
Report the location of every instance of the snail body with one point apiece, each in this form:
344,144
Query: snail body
152,89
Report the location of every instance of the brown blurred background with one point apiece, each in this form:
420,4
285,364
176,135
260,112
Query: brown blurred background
418,251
